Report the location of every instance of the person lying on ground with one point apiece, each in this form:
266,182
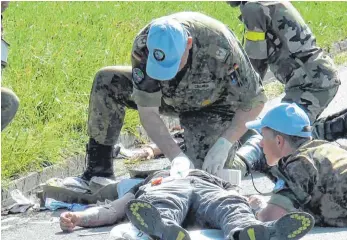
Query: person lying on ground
159,206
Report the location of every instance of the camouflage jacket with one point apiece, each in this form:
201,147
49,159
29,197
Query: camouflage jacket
314,179
277,36
218,70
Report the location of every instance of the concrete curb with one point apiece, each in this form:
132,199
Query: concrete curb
26,184
71,167
75,165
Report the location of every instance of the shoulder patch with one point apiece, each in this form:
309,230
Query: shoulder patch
141,41
138,75
234,74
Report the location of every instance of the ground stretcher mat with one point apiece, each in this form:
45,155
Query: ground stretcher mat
129,232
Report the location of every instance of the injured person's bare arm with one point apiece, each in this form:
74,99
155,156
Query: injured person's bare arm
265,211
96,216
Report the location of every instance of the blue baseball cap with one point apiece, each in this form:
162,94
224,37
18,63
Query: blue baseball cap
166,42
287,118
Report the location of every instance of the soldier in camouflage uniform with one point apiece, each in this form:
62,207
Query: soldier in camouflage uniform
277,37
186,65
9,100
312,174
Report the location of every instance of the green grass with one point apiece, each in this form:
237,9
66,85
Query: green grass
56,48
273,89
341,58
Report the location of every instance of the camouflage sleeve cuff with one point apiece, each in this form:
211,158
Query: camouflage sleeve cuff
253,102
256,49
145,99
283,202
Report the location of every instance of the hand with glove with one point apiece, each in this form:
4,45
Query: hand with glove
217,156
180,166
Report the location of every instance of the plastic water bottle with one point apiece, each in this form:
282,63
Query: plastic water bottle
180,167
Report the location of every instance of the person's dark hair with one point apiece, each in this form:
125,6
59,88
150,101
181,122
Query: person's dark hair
294,141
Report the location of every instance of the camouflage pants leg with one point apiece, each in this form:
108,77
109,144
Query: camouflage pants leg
201,131
220,209
9,106
332,127
110,94
313,84
314,102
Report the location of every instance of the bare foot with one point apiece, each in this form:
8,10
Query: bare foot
69,220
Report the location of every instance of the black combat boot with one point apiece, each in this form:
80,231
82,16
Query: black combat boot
252,155
99,160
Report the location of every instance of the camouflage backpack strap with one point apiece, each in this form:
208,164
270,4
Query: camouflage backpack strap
296,194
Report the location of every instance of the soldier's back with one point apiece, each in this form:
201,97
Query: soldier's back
206,29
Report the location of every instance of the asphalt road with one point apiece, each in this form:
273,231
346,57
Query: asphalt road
44,225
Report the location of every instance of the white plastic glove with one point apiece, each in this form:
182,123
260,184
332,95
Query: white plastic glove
217,156
180,166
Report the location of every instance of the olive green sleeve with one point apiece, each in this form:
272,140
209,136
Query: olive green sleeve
283,202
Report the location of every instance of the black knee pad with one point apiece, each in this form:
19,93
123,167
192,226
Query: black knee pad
336,126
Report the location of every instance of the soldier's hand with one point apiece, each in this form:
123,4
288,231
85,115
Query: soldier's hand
217,156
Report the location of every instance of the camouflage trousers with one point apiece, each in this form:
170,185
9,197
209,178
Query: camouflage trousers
111,95
9,106
312,85
314,102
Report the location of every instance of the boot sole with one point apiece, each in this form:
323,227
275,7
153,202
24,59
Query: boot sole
292,226
145,217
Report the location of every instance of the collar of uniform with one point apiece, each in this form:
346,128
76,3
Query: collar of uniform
190,57
177,79
183,71
288,159
282,163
